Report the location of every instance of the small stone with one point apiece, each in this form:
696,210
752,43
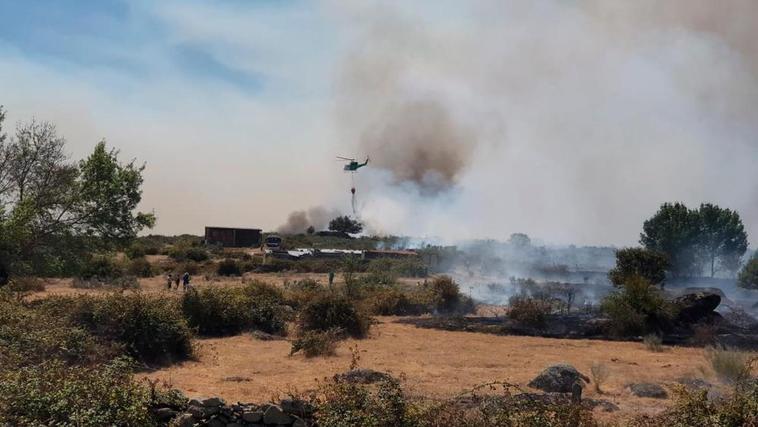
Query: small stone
184,420
297,407
215,422
274,415
196,411
252,417
212,401
195,402
651,390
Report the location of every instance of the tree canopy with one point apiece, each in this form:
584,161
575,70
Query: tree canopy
346,224
648,264
692,239
748,277
52,209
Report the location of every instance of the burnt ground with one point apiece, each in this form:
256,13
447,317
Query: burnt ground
717,330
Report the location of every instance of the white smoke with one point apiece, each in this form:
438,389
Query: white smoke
571,121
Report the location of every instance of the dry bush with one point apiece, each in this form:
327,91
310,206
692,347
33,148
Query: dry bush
316,343
653,343
529,311
398,301
141,267
229,267
694,408
730,365
600,373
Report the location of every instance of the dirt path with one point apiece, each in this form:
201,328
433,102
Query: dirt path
436,363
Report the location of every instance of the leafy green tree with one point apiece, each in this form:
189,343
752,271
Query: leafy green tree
723,239
637,308
346,224
52,210
748,277
674,230
649,264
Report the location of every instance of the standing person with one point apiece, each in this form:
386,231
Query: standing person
178,279
331,278
169,280
186,280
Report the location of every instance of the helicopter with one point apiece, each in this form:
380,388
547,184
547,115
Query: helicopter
352,166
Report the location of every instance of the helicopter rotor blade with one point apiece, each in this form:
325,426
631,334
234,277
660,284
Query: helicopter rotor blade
345,158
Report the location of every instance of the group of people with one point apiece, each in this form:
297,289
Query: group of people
184,279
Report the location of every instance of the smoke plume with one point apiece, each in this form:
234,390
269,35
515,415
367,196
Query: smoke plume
299,221
570,121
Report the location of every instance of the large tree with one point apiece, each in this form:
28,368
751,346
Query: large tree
723,239
709,237
52,209
674,230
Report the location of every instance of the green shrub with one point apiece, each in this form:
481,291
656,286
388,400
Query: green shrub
329,311
348,404
101,267
218,311
135,250
191,253
29,336
55,394
228,267
748,277
316,343
396,301
530,312
447,296
299,292
649,264
140,267
637,308
150,328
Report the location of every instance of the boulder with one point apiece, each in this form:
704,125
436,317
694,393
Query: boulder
651,390
696,306
558,379
297,407
184,420
252,416
275,415
196,411
212,401
164,414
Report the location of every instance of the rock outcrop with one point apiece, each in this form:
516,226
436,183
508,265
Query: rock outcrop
696,307
558,379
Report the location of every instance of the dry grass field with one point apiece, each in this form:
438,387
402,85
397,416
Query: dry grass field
432,362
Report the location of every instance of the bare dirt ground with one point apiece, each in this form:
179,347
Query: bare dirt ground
432,362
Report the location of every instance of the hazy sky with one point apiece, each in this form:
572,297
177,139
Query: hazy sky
568,120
